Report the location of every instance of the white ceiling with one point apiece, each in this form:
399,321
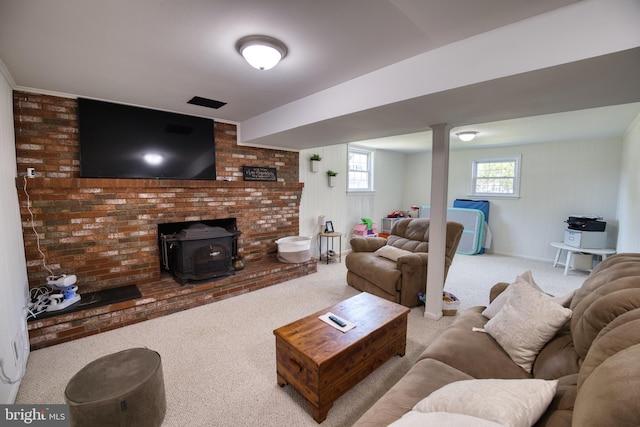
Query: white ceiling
160,53
590,124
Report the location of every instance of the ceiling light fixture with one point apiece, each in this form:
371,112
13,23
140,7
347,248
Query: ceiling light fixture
261,52
467,136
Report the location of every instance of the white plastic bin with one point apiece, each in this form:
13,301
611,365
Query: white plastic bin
294,249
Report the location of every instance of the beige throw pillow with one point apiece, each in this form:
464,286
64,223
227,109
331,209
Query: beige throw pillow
391,252
514,403
526,277
528,320
499,301
441,419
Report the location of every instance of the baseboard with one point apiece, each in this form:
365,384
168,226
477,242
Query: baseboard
433,316
522,257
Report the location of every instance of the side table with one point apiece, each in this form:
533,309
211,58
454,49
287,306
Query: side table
571,250
331,254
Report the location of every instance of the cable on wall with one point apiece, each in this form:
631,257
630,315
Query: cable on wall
33,227
38,297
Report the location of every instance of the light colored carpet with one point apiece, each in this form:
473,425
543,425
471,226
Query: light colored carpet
219,359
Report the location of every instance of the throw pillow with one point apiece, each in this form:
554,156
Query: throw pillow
441,419
528,320
514,403
391,252
499,301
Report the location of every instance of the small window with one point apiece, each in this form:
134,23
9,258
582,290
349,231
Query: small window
496,177
360,169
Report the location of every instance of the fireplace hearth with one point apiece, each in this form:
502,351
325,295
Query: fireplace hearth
198,252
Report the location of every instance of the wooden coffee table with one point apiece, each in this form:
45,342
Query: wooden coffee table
322,363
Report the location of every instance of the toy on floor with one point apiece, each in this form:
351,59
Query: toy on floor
368,222
450,303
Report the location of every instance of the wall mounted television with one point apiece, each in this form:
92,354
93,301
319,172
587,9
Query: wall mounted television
122,141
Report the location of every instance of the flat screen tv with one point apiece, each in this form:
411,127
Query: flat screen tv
121,141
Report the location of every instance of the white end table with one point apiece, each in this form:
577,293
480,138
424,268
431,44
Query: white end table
572,249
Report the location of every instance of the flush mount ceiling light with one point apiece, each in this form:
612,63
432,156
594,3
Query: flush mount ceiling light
261,52
466,136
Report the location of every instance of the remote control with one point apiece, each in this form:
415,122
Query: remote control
337,321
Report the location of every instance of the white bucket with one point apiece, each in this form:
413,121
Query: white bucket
294,249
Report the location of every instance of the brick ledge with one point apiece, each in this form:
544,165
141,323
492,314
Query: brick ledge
160,299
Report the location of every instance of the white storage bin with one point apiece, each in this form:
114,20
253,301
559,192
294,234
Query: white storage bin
585,239
294,249
581,262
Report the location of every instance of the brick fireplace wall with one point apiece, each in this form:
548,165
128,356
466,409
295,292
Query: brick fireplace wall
105,230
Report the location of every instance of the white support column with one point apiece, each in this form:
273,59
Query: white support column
438,221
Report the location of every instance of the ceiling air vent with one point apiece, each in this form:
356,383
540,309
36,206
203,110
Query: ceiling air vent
204,102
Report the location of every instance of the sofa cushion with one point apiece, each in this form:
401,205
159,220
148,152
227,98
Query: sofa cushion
610,341
607,293
496,290
516,403
603,310
391,252
526,323
375,269
452,347
556,419
410,234
560,410
557,358
423,378
609,396
615,267
441,419
367,244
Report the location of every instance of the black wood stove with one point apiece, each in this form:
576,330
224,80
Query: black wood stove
199,252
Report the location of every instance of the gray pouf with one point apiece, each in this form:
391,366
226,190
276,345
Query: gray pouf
120,389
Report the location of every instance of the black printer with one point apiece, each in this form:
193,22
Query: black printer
586,223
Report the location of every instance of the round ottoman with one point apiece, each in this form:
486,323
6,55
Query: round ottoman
120,389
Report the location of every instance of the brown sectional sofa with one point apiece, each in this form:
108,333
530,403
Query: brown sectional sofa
595,357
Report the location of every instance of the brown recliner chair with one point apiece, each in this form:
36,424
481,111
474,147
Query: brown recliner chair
396,268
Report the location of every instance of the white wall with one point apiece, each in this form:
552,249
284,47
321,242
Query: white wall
345,210
629,198
390,183
418,179
13,271
558,179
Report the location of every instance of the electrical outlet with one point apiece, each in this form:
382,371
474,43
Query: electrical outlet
31,173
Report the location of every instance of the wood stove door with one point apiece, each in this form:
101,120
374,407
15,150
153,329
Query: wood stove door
211,259
201,259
